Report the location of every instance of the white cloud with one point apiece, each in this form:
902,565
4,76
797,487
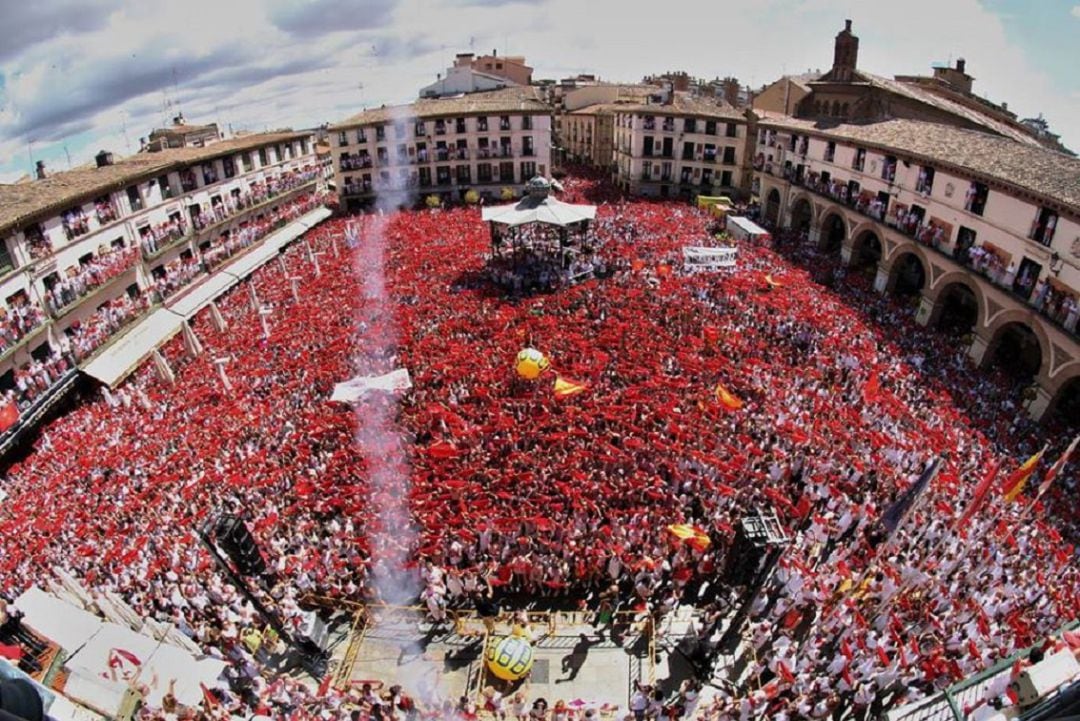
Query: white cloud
1075,11
237,62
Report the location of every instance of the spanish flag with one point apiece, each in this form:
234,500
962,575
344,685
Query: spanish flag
565,387
772,283
1014,484
726,399
695,537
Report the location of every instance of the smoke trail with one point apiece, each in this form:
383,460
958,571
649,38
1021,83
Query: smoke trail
392,535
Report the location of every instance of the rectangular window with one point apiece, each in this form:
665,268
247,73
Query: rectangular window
710,127
888,169
264,159
687,151
380,133
361,136
425,176
1043,227
669,125
729,156
648,123
245,160
526,122
419,129
459,125
504,122
860,159
725,179
464,175
166,187
965,241
732,130
830,151
506,172
6,263
925,183
483,173
975,200
527,146
134,198
442,175
689,125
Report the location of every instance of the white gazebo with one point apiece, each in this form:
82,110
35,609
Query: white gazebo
539,206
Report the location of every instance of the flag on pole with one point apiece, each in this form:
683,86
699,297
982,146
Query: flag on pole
1055,470
980,494
726,399
565,387
895,514
1014,484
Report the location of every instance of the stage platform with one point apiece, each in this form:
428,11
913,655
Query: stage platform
574,660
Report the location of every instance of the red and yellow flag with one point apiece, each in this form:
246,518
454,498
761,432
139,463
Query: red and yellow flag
1014,484
772,283
695,537
565,387
726,399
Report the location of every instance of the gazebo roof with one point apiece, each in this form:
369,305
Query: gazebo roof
538,206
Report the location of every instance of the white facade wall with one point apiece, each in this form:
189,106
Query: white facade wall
409,170
1006,220
29,275
713,164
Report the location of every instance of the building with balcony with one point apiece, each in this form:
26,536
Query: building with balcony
466,76
588,135
446,147
681,147
182,135
846,93
981,231
87,252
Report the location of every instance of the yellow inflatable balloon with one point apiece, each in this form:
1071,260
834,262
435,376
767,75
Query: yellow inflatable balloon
530,364
511,658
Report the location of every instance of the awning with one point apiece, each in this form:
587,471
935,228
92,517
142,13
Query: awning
531,209
126,353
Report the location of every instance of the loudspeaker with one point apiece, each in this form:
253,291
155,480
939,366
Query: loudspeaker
236,540
753,538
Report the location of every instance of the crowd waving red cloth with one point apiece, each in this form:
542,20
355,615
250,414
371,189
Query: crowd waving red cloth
692,399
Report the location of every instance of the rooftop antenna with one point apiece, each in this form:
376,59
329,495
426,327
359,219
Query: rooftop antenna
68,155
176,91
30,153
360,87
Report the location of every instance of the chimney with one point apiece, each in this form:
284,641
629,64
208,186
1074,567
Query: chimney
179,119
104,158
41,174
960,63
847,26
494,52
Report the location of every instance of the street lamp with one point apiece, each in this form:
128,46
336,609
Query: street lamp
263,313
294,281
221,363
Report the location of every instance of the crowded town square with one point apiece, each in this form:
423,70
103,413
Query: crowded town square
929,524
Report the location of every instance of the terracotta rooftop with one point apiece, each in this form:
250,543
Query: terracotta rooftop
26,201
921,95
493,102
1032,168
685,105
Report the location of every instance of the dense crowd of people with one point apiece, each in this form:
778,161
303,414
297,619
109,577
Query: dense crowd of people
514,489
88,276
18,319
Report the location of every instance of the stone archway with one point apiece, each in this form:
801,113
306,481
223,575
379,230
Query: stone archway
866,252
907,274
957,308
802,216
772,207
1017,350
1065,407
833,234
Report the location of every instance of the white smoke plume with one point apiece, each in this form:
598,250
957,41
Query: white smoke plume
392,535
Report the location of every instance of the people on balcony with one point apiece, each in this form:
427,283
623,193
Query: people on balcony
75,223
88,277
16,321
177,276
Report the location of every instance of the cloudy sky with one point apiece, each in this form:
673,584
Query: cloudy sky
80,75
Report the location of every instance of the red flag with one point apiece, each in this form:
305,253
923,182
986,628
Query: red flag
726,399
208,698
872,389
324,685
883,656
784,672
981,492
1054,471
9,415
